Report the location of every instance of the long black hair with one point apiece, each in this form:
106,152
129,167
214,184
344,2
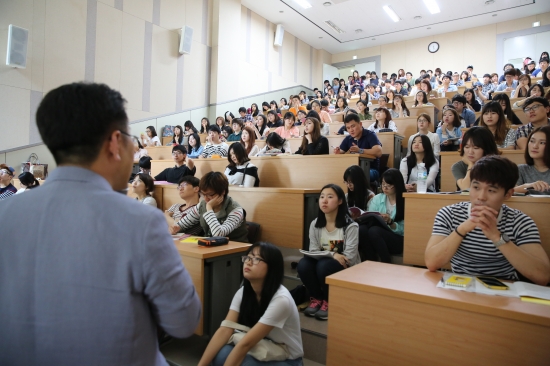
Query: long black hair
251,310
275,141
28,180
508,110
429,157
357,197
240,152
180,137
343,218
197,142
205,130
394,177
264,124
189,125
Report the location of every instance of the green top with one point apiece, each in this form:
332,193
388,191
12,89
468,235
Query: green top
378,204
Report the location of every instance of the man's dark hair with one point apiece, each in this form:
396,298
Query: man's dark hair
470,67
398,82
495,170
145,162
541,100
511,72
544,59
487,76
74,121
459,98
238,121
315,89
352,117
385,73
242,109
324,103
446,76
180,148
425,76
480,137
194,181
214,128
215,181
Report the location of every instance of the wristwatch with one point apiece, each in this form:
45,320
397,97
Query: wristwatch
503,240
361,151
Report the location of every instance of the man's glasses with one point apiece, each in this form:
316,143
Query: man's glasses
255,260
133,137
533,108
177,153
183,185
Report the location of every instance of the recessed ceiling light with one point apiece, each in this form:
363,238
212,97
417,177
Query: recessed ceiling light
418,17
334,26
355,57
391,13
320,37
281,11
327,3
374,39
432,6
495,15
536,24
303,3
429,28
358,30
489,2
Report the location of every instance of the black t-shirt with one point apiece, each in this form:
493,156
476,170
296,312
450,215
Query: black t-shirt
174,174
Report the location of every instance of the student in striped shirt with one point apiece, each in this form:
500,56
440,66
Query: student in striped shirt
214,145
485,236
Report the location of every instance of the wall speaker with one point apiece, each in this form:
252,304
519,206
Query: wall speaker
18,39
186,38
279,35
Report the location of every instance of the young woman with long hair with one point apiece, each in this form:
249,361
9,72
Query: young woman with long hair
261,130
535,174
143,186
492,118
254,108
262,304
471,101
240,171
383,121
421,99
399,109
363,110
423,122
341,105
151,139
220,122
275,144
248,140
273,120
359,193
139,151
313,143
421,152
524,84
194,146
536,90
189,128
205,123
504,101
449,131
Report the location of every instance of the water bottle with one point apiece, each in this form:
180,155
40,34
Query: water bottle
422,178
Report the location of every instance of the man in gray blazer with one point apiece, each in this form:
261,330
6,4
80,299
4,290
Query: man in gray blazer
86,273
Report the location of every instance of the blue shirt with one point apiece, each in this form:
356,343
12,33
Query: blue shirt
469,117
502,86
367,140
87,275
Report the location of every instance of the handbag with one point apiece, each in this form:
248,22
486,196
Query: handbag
264,350
32,165
168,131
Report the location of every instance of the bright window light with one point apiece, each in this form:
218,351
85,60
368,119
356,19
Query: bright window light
355,57
391,13
432,6
536,24
303,3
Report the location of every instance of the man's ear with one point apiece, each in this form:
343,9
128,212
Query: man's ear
509,194
115,145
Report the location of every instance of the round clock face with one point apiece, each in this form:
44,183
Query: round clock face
433,47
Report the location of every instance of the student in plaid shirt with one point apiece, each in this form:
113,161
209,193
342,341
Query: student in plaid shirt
537,110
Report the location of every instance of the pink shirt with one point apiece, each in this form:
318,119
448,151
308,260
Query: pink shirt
325,117
284,133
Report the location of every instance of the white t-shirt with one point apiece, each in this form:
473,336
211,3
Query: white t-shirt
282,314
332,240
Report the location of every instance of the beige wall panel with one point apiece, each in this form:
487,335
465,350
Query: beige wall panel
193,18
108,46
232,107
368,52
65,44
228,77
392,57
209,24
304,64
111,3
131,74
138,114
194,77
140,127
19,13
273,51
257,41
37,45
288,58
516,24
451,52
544,18
343,56
278,82
416,56
142,9
214,76
483,58
15,107
172,14
15,158
253,80
230,18
197,115
163,70
3,159
174,119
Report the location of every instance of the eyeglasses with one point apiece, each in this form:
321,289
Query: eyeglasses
4,171
255,260
348,183
183,185
208,195
387,186
533,108
422,120
177,153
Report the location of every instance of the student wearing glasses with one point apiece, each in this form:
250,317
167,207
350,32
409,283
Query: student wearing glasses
173,175
6,188
188,189
151,139
218,214
537,110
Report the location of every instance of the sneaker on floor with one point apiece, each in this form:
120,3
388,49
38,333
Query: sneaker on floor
313,307
322,313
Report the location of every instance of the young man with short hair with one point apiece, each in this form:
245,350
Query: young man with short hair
214,145
361,141
237,125
173,175
537,110
510,83
398,84
505,68
244,115
456,80
471,74
483,91
543,65
485,236
459,102
296,105
446,85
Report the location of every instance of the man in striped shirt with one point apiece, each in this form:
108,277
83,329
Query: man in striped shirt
214,145
484,236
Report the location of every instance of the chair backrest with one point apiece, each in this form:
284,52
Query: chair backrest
383,166
253,231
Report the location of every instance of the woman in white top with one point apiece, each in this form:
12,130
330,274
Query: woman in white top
139,151
248,140
421,100
262,304
151,139
240,171
421,153
143,187
383,120
424,121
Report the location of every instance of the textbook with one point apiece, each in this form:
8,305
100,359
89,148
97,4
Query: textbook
190,239
356,212
317,254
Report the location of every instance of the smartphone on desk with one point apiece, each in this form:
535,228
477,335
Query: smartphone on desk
492,283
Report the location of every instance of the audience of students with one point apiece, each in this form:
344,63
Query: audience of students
485,236
214,145
288,129
421,152
27,181
248,140
535,174
477,143
194,146
358,194
151,139
313,143
492,118
424,122
336,233
188,189
537,110
240,171
6,187
172,175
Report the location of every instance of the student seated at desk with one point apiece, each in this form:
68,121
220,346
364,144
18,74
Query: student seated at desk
275,144
6,188
177,139
537,109
188,189
143,186
237,126
313,143
380,243
421,100
536,90
27,181
288,130
400,109
361,141
151,139
504,102
240,171
325,128
477,143
145,165
248,140
139,151
359,193
217,214
383,121
449,132
194,146
214,146
189,128
333,231
172,175
424,121
493,118
262,304
363,110
259,125
421,153
485,236
536,173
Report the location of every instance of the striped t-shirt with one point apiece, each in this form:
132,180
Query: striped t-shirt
477,255
218,149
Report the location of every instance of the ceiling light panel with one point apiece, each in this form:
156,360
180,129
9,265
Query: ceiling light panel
303,3
432,6
391,13
334,26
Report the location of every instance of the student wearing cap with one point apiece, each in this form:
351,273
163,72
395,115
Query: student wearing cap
6,188
173,175
237,125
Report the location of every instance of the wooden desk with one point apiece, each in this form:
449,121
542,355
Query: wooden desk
160,152
429,110
448,158
384,314
407,127
420,211
287,171
216,274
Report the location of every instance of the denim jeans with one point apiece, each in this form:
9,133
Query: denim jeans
222,355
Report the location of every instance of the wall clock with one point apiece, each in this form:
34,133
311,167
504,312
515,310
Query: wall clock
433,47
